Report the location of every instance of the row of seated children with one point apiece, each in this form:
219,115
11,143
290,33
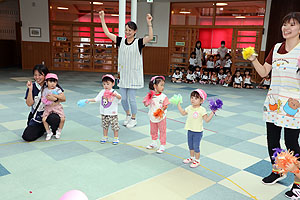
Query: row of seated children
213,63
245,81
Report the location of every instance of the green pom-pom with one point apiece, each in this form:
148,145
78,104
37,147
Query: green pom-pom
175,99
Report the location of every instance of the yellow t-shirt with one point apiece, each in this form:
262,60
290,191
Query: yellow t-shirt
194,121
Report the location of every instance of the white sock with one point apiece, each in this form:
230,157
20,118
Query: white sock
154,142
162,146
48,132
193,158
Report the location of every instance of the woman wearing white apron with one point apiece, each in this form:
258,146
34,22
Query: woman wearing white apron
281,108
130,65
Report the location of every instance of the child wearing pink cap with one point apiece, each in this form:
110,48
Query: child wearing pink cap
52,89
194,124
109,100
158,103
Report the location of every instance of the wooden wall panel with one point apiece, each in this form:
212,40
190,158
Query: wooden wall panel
156,60
34,53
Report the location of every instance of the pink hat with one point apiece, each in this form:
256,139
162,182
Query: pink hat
51,75
155,77
202,94
109,76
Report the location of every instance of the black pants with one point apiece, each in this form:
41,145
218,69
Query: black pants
32,133
290,138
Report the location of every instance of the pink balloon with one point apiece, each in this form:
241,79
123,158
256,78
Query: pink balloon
74,195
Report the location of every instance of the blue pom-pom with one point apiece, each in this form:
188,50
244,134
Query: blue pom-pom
82,102
215,105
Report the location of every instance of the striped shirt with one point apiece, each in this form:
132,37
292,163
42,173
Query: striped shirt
130,64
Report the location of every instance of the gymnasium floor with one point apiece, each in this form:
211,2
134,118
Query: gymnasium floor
233,147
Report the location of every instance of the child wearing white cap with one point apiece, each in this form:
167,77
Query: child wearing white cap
194,124
108,108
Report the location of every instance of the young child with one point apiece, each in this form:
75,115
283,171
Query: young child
109,99
221,76
214,78
177,76
199,54
218,63
238,80
205,78
197,74
228,79
190,77
194,124
222,51
265,83
157,113
52,107
228,62
210,64
183,74
247,80
193,60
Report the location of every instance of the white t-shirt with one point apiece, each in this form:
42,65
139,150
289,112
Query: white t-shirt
190,76
210,64
158,101
267,82
221,76
204,77
247,80
238,80
227,63
193,61
108,106
177,75
218,63
197,74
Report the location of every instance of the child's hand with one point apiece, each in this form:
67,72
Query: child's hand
252,57
29,85
149,19
101,14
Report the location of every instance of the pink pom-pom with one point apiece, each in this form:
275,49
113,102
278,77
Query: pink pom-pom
284,159
109,95
148,97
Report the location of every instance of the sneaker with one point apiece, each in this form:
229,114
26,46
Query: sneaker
151,146
273,178
126,121
57,135
49,135
161,150
115,141
104,140
289,194
188,160
132,123
195,164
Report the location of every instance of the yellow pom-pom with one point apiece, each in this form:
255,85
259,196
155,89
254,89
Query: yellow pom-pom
247,52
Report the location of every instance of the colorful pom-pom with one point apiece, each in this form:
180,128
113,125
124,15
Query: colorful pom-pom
159,113
148,98
82,102
176,99
283,159
248,52
108,95
215,105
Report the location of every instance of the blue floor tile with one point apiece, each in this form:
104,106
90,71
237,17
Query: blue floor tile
3,171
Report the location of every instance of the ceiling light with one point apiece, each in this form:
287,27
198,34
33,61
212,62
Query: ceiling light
185,12
221,4
97,3
114,15
62,8
240,17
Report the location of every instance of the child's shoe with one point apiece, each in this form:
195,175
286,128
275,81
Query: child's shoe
49,135
151,146
104,140
195,164
188,160
58,133
161,149
115,141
